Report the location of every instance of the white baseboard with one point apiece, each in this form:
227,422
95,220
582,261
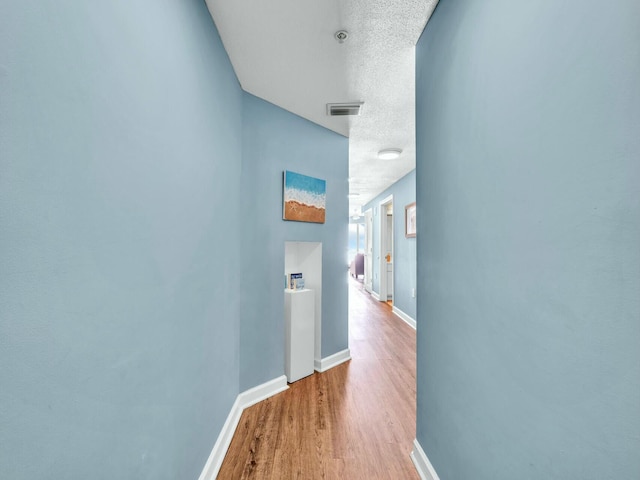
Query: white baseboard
244,400
407,319
422,463
262,392
375,295
214,462
332,360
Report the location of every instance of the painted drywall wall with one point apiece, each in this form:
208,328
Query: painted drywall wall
404,261
528,116
120,149
275,140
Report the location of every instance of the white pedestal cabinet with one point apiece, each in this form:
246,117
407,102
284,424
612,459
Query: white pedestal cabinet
299,313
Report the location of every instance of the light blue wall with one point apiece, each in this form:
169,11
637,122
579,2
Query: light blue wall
528,121
404,261
276,140
119,322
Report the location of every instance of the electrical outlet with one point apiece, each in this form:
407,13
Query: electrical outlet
413,293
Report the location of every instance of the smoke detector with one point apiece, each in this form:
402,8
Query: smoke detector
341,35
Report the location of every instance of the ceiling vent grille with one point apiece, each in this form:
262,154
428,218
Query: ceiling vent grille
343,109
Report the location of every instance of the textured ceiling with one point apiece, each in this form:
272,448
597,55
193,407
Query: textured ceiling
284,51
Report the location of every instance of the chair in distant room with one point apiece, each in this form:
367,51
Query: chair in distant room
357,265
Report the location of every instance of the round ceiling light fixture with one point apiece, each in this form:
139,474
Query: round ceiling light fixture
341,35
389,153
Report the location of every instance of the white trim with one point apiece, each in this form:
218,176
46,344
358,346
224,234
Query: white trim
375,295
214,462
407,319
244,400
332,360
262,392
422,463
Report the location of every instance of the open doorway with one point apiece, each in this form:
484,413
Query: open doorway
386,250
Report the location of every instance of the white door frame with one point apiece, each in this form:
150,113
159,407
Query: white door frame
382,272
368,251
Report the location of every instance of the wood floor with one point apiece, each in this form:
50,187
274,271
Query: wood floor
355,421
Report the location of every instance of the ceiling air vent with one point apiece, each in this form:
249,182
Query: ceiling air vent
342,109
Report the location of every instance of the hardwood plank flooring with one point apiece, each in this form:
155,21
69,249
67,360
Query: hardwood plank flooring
355,421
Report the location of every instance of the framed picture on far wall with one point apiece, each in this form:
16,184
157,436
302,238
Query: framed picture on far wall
410,220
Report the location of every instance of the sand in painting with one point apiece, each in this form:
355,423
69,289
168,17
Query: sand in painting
303,213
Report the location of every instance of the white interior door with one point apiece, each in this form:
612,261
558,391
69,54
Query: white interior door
368,251
386,247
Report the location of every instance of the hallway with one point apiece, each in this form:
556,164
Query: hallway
355,421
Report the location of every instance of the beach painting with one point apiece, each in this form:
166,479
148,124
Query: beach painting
304,198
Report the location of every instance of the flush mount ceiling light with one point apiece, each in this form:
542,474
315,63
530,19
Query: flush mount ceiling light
389,153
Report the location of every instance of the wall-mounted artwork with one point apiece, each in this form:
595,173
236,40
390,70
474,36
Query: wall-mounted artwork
410,220
304,198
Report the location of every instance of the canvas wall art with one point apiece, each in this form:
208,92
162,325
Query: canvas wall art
304,198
